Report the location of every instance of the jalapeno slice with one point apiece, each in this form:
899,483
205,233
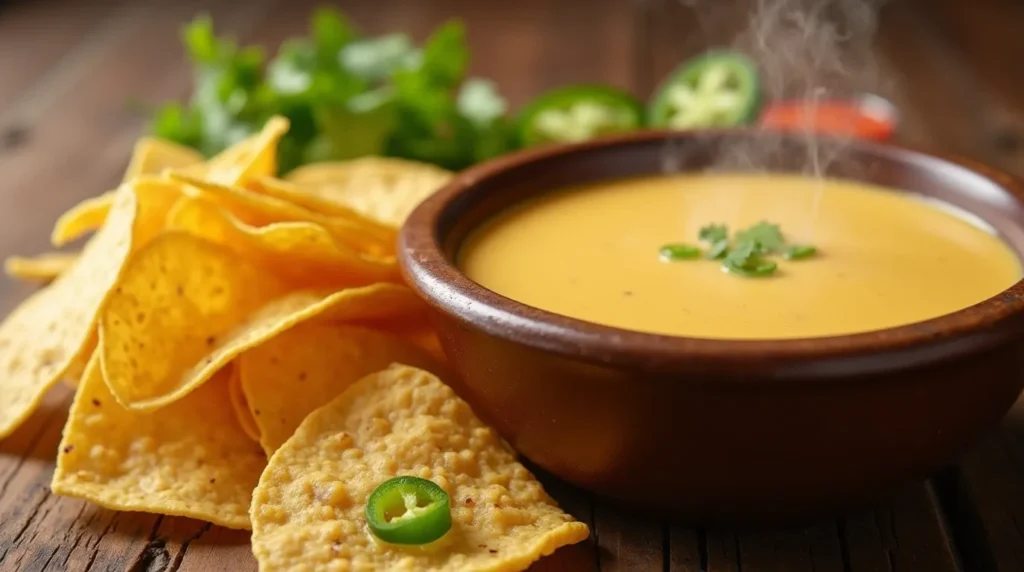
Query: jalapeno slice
717,89
579,113
408,510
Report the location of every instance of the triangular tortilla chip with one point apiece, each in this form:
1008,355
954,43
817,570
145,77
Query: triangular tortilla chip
190,459
308,510
288,377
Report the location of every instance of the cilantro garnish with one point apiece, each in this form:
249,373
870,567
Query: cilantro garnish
717,237
345,94
746,254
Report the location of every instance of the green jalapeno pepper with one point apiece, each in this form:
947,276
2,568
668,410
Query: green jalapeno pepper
579,113
717,89
408,510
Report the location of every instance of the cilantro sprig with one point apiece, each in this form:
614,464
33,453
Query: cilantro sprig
346,95
748,253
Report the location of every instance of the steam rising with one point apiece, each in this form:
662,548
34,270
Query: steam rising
810,50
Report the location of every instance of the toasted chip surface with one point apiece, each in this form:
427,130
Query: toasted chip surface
255,156
82,218
185,307
240,406
259,210
288,377
42,268
385,189
152,156
42,336
302,253
190,459
307,511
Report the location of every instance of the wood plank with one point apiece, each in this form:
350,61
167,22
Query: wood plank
626,541
37,36
986,495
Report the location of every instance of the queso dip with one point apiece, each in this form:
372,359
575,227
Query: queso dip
883,259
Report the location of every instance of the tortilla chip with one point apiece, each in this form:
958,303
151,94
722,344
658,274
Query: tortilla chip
381,188
241,406
255,156
288,377
41,268
308,510
153,156
41,337
288,191
76,369
301,253
83,218
259,210
186,307
189,459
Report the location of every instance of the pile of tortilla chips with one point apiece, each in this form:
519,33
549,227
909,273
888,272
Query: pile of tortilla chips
228,331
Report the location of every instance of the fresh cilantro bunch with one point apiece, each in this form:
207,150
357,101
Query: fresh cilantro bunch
346,96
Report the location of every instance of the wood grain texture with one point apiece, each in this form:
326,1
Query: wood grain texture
68,67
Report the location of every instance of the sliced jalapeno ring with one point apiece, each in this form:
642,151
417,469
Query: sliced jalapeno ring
408,510
579,113
717,89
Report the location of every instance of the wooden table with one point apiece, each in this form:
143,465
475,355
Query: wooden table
69,68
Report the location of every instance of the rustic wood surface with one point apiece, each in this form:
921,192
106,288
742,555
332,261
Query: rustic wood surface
68,69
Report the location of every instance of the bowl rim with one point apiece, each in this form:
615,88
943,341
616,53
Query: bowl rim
444,286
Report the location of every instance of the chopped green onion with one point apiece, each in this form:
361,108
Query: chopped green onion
671,252
408,510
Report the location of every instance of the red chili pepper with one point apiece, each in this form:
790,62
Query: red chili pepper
870,118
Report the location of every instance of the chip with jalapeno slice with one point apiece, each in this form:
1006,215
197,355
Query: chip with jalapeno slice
717,89
408,510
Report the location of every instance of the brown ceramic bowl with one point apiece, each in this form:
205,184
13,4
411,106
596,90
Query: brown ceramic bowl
700,429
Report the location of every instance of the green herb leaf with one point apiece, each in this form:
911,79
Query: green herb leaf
672,252
714,233
754,267
746,260
718,250
798,252
766,237
375,59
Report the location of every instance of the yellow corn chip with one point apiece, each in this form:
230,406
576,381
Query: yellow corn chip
308,510
241,406
288,377
255,156
189,459
42,268
83,218
41,339
292,193
185,307
76,369
302,253
153,156
259,210
381,188
150,157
